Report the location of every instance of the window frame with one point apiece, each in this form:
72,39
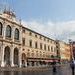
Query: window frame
16,34
8,31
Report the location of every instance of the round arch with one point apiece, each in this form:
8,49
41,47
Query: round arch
16,34
23,56
1,27
23,59
8,31
7,56
16,57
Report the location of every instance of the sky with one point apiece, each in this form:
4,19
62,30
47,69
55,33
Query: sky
52,18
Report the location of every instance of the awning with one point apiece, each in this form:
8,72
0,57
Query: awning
34,60
48,60
51,60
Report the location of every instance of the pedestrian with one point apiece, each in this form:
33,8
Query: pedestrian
54,66
72,64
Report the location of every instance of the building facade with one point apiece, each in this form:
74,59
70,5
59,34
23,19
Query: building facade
20,46
72,46
10,40
63,51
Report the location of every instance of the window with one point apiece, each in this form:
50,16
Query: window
40,37
1,28
37,53
30,34
51,49
28,53
54,49
16,34
51,41
23,41
40,54
40,45
36,35
43,54
8,31
48,40
45,47
48,48
23,50
36,46
44,39
30,43
57,47
23,30
32,54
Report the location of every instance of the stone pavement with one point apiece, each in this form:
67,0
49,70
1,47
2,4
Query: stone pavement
63,70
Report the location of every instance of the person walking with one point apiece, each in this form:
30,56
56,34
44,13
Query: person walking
72,64
54,66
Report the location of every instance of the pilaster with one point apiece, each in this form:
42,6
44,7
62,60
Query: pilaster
12,55
4,31
2,55
13,32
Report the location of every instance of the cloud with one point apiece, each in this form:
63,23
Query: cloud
56,30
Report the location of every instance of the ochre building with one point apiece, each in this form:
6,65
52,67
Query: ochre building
63,50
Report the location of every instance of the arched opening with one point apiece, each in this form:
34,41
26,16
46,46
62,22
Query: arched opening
7,56
1,26
8,31
23,59
16,34
16,57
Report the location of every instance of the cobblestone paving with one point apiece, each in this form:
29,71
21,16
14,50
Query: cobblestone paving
63,70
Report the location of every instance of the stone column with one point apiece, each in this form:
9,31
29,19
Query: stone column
2,56
12,55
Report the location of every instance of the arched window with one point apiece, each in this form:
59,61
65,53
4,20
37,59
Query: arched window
1,28
36,45
8,31
7,55
44,46
30,43
16,56
16,34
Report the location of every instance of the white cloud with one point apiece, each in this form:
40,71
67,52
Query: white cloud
55,30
